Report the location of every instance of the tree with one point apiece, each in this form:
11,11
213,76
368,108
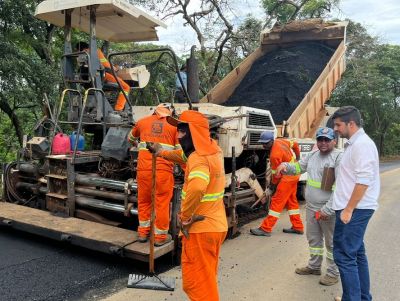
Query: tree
26,63
372,84
284,11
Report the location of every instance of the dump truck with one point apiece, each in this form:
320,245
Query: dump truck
87,196
292,75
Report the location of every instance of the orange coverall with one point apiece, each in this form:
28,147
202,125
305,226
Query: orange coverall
202,194
285,196
154,128
119,106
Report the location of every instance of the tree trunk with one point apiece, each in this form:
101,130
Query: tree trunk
5,107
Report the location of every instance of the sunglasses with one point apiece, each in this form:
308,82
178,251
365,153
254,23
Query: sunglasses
324,139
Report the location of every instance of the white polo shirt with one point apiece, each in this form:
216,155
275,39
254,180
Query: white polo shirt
359,165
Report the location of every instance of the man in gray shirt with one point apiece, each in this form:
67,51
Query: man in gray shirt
320,219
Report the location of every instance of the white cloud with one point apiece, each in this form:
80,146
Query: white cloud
381,18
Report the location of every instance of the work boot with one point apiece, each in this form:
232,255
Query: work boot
260,232
159,243
293,231
337,299
142,239
329,280
307,271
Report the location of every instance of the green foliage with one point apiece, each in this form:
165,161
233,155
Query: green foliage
372,84
26,71
284,11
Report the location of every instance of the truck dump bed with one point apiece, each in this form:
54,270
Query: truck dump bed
291,74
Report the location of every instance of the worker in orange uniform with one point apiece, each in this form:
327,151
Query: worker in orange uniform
202,196
109,77
154,128
281,150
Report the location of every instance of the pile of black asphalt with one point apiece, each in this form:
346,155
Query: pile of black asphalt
279,80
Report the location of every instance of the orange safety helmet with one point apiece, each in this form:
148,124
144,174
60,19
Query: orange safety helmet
163,110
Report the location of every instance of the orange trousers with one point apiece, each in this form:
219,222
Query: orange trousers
120,104
199,259
164,191
284,197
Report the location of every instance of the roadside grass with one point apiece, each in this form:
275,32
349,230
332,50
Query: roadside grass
390,158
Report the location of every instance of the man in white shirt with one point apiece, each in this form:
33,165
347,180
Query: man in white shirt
355,199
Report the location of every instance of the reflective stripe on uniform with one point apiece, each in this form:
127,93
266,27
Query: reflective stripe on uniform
209,197
131,138
298,168
142,146
317,251
274,213
313,183
294,211
124,91
103,60
184,158
291,143
158,231
316,184
329,255
212,197
199,174
144,223
273,171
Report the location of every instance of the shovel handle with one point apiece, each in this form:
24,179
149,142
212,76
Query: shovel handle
152,217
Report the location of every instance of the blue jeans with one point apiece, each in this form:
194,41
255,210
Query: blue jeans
350,257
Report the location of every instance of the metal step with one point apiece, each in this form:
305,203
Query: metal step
87,234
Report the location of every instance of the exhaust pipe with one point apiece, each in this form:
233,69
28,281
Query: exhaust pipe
85,180
105,194
102,205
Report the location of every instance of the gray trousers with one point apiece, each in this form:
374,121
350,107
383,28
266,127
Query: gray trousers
316,231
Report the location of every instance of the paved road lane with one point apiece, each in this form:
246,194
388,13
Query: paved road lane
262,268
252,268
33,268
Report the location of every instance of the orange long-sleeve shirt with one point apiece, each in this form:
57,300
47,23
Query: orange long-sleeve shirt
203,190
283,151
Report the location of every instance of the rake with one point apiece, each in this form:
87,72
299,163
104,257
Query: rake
152,281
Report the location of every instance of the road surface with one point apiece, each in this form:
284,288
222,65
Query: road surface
252,268
262,268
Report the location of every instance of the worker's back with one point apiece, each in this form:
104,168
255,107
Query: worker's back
283,151
154,129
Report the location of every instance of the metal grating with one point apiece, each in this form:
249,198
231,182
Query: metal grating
259,120
253,138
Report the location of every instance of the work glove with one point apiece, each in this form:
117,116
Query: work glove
184,226
154,148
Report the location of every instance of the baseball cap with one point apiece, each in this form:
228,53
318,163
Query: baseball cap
266,137
326,132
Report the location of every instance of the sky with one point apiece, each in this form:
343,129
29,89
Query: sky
380,17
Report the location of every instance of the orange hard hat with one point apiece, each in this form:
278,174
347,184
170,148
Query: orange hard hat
163,110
